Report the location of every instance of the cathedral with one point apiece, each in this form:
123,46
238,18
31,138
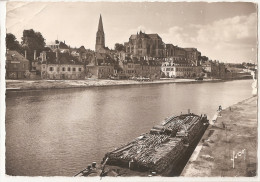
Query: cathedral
143,44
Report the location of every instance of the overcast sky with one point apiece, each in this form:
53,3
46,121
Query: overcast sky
221,31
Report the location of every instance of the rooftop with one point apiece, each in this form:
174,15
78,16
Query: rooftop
63,58
15,56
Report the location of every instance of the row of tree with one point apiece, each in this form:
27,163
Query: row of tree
31,41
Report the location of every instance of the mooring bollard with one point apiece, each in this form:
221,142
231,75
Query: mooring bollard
89,167
94,164
131,164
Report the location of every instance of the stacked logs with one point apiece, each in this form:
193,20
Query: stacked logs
166,154
158,149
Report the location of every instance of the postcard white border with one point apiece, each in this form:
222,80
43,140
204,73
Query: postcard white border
4,177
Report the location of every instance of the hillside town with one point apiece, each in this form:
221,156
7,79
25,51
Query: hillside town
143,57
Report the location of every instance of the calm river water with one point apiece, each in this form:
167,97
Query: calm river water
59,132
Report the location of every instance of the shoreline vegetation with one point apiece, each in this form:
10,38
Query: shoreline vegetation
16,85
228,147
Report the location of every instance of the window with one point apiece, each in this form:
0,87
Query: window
51,69
63,69
43,66
58,69
79,69
73,69
68,68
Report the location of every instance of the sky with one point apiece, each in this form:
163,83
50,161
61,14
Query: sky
221,31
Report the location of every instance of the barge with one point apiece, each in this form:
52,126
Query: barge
159,152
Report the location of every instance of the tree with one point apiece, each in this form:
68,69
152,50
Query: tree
119,47
12,43
203,58
31,41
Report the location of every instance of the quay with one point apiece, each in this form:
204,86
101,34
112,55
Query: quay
228,148
15,85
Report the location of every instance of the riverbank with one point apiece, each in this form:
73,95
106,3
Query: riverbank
61,84
232,136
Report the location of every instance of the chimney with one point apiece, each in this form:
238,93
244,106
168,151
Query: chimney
25,54
57,55
80,57
43,54
34,56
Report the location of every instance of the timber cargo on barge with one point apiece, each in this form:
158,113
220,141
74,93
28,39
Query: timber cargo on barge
158,152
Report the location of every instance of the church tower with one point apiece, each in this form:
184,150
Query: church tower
100,37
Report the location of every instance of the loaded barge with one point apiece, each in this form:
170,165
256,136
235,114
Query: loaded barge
159,152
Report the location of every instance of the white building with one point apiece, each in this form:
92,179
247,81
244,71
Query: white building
173,70
62,71
61,46
60,66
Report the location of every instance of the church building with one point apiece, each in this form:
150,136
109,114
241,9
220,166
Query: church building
142,44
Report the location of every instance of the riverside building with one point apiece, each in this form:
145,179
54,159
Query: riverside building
101,66
214,69
16,65
177,70
134,68
55,65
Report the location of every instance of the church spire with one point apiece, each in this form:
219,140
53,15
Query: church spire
100,36
100,24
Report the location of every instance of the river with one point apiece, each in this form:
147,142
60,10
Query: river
59,132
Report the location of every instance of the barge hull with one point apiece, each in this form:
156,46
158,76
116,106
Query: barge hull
164,151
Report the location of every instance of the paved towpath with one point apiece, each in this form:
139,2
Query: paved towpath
229,147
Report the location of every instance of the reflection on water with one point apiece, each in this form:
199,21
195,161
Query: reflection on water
59,132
